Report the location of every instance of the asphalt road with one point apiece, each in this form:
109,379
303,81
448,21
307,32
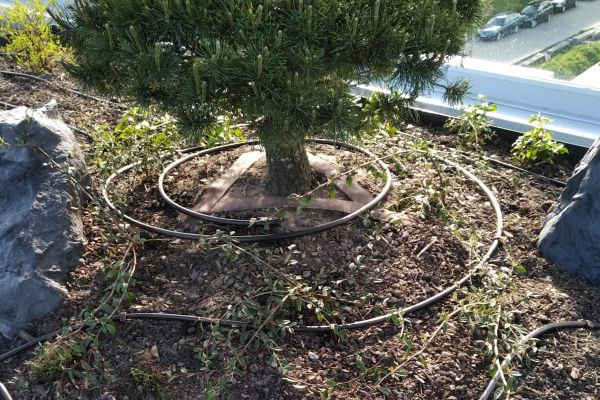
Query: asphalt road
526,42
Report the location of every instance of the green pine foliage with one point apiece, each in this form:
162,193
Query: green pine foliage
287,65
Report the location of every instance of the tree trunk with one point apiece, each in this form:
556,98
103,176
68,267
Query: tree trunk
288,168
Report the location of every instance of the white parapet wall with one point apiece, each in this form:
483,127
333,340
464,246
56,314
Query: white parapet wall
519,92
590,77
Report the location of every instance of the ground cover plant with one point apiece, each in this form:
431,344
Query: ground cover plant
473,124
357,270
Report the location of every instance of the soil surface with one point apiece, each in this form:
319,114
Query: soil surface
356,271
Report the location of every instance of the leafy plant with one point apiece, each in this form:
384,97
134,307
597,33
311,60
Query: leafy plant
26,28
222,132
76,350
139,136
473,125
537,146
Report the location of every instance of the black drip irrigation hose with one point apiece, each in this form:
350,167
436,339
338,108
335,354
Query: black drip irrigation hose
243,222
356,324
314,329
72,91
467,156
246,238
522,170
4,393
542,330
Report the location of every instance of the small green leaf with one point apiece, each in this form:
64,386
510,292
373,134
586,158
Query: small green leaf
331,383
111,329
520,269
360,364
384,391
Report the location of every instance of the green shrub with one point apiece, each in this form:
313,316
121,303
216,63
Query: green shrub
138,136
473,125
29,38
537,146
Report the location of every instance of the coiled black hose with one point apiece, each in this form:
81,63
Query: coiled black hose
247,238
542,330
303,328
356,324
353,325
242,222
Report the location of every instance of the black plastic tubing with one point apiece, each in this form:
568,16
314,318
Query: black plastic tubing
542,330
245,238
356,324
303,328
4,393
244,222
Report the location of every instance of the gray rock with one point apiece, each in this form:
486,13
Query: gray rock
41,232
571,234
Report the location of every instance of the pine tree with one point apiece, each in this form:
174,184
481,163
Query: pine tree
287,65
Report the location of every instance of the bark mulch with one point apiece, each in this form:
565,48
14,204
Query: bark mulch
358,270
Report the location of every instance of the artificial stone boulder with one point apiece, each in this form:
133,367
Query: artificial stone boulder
571,234
41,236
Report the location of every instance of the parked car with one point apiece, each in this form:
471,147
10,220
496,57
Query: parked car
500,25
563,5
536,12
